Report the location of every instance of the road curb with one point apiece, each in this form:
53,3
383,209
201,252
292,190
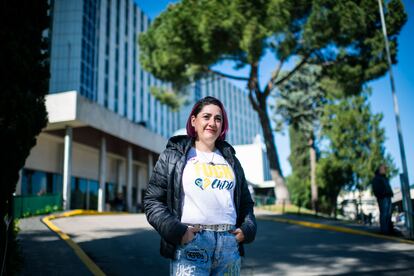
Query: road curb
93,268
336,229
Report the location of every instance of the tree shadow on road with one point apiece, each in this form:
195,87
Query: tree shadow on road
134,253
284,249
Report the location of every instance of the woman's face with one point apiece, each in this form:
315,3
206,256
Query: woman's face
208,123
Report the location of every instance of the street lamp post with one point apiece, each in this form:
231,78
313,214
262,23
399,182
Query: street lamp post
405,187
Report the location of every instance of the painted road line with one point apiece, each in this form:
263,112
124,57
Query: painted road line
336,229
93,268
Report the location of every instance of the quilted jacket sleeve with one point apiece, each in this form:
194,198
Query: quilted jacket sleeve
156,207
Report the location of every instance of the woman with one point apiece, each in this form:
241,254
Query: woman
197,197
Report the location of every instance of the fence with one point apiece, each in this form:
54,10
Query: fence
35,205
264,200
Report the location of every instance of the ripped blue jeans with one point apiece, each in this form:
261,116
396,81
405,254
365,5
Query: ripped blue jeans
209,253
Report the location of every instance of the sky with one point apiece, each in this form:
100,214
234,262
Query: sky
381,98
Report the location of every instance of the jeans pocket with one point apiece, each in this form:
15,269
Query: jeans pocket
193,240
234,237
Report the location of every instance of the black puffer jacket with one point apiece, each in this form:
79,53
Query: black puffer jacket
381,187
162,201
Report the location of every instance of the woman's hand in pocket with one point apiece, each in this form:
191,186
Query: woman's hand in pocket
238,233
189,234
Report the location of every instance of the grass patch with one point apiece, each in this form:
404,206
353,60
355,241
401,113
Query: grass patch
287,208
42,211
291,209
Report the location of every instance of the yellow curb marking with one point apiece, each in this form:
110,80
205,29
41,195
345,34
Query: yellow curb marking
78,251
336,228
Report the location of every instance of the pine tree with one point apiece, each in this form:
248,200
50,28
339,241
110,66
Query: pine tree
299,181
300,103
356,144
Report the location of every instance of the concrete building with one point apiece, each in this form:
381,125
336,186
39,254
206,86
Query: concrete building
256,168
105,129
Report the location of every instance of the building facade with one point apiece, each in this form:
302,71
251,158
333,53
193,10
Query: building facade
105,128
95,51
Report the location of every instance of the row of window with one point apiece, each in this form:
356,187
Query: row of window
90,26
84,192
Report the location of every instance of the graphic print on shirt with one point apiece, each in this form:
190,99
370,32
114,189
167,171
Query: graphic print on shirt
208,189
214,176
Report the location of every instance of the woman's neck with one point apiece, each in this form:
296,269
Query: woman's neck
206,147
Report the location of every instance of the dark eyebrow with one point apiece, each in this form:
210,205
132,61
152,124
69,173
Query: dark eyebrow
209,114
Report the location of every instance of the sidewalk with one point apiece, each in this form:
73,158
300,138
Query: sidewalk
44,253
369,229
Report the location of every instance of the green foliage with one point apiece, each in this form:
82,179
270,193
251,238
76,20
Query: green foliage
342,36
23,85
168,97
299,189
300,100
299,181
332,175
355,147
356,137
46,210
299,153
300,103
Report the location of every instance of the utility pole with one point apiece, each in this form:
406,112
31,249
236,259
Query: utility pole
405,186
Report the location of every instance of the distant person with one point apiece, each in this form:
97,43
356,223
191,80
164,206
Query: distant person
198,198
369,219
119,202
383,192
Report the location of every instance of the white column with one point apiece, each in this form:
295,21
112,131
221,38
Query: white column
88,194
67,168
19,183
102,176
140,180
119,175
129,179
150,164
150,168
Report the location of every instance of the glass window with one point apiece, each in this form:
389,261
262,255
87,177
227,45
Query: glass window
93,194
110,192
57,183
36,182
78,193
27,181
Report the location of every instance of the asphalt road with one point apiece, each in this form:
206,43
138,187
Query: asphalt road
127,245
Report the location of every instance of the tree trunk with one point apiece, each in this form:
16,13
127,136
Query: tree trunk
281,190
314,186
258,100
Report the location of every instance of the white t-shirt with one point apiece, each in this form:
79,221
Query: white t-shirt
208,185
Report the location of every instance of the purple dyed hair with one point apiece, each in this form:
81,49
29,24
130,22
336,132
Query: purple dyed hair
198,106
